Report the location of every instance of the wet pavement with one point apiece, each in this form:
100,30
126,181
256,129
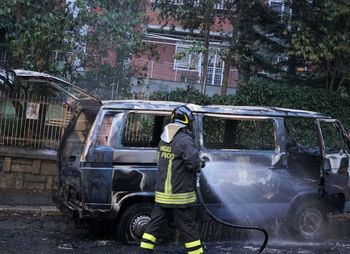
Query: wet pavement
54,234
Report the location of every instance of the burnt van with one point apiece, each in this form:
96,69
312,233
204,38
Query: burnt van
262,164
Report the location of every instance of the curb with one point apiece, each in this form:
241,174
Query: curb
29,210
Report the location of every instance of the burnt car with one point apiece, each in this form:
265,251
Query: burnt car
262,164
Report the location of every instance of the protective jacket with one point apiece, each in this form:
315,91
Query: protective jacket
178,161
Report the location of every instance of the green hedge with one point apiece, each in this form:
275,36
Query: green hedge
261,92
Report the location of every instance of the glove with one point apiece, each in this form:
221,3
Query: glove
202,163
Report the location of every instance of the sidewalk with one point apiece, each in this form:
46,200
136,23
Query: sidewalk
24,202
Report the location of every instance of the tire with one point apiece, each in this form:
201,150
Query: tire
133,222
309,220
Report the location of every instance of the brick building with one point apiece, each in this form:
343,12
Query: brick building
167,71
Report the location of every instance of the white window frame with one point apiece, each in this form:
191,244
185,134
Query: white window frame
179,63
283,8
177,2
179,66
216,70
220,5
217,6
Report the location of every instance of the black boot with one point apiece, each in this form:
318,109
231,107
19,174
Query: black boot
145,251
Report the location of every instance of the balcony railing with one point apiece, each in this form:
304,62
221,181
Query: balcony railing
220,5
170,72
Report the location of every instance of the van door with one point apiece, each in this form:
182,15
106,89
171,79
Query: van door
240,181
135,156
121,155
335,153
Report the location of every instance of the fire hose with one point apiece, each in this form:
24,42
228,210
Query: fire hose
215,218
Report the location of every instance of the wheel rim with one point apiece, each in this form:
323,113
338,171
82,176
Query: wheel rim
138,225
311,221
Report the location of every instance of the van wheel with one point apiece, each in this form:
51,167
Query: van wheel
133,222
310,220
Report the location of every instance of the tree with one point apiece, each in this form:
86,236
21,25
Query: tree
307,44
244,18
320,38
199,15
39,36
241,15
113,35
65,37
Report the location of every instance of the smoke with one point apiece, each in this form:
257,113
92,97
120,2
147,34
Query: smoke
251,193
238,191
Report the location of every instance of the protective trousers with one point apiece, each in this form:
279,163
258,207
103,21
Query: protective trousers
185,221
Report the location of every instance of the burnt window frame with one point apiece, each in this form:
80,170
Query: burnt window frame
242,118
293,139
341,131
95,128
119,142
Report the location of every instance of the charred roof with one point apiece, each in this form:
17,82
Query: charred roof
216,109
73,91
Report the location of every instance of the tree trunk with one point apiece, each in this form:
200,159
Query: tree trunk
340,83
206,59
226,74
334,74
235,22
327,74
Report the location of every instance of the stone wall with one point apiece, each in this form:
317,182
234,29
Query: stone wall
28,169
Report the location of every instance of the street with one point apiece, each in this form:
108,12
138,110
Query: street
54,234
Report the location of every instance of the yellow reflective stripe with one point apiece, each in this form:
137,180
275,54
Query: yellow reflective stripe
149,237
168,186
149,246
199,251
193,244
175,202
177,198
176,195
186,120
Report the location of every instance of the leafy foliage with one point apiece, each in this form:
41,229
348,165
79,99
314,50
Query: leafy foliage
62,37
189,95
111,40
193,15
261,92
320,34
39,36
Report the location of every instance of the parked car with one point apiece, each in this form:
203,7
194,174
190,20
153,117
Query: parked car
262,164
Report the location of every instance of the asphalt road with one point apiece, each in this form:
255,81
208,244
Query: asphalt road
53,234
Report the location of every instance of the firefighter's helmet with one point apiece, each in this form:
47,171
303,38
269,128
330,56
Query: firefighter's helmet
182,114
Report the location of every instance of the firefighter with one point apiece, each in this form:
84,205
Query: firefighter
178,161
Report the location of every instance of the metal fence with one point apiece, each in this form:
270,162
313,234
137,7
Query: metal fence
168,71
32,121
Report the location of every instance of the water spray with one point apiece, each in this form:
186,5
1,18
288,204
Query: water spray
199,195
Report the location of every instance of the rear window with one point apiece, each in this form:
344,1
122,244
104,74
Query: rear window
246,134
106,131
333,138
302,132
